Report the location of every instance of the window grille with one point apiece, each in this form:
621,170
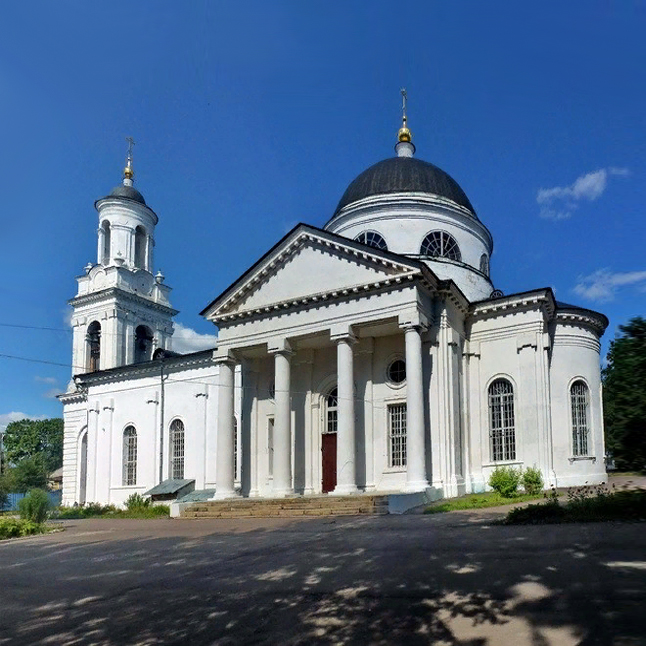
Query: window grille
331,411
579,401
397,371
372,239
397,435
484,264
439,244
177,449
501,421
129,456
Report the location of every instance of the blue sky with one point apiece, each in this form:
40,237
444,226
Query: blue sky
252,116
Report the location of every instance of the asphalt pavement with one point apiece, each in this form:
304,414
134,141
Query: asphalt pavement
442,579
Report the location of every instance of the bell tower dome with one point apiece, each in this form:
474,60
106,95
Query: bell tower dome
122,312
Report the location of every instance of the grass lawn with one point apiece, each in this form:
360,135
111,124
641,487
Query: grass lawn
109,511
478,501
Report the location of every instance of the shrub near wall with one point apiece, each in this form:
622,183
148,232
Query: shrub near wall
34,506
505,481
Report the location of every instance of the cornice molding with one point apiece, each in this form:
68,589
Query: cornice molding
144,369
587,319
121,295
515,302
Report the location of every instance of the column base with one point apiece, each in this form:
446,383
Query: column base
282,493
416,486
224,495
345,490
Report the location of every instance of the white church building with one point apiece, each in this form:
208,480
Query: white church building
372,355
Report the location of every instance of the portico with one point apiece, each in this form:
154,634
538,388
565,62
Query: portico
327,373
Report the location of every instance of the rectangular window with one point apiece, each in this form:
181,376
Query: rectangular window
397,435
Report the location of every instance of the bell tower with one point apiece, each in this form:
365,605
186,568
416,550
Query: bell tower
122,312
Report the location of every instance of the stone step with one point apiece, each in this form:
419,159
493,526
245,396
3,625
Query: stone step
286,507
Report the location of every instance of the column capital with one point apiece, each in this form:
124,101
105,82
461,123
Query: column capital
343,335
413,318
279,346
224,355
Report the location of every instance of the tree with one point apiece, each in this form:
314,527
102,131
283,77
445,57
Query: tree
28,438
29,473
624,396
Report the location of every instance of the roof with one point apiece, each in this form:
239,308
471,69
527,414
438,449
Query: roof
170,486
127,192
404,175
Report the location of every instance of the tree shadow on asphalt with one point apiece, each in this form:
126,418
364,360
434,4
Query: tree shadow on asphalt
356,581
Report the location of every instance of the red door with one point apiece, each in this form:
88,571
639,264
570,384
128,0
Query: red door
329,461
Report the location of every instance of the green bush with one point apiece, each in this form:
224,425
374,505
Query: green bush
533,480
13,528
137,502
505,481
34,506
584,505
89,510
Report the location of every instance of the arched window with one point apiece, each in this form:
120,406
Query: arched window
93,340
331,411
372,239
107,235
579,400
130,456
143,344
83,469
502,431
484,264
177,449
439,244
140,248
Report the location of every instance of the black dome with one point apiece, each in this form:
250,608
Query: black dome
129,192
404,175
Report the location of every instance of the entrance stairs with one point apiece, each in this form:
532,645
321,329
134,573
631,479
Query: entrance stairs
298,506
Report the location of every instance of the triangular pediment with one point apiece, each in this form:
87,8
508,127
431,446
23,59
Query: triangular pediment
307,264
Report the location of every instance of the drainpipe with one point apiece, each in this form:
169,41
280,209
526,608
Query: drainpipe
161,419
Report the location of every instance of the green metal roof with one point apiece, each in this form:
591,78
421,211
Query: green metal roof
170,486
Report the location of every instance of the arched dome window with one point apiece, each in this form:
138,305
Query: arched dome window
140,248
372,239
439,244
105,247
484,264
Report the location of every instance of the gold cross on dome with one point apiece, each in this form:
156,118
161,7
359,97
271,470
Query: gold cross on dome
404,98
131,143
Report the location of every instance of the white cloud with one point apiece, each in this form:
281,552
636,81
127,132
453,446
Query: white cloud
559,202
602,284
45,380
7,418
185,339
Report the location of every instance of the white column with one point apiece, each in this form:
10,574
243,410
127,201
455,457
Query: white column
282,425
225,440
346,468
415,446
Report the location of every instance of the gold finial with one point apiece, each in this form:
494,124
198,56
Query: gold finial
404,134
128,172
